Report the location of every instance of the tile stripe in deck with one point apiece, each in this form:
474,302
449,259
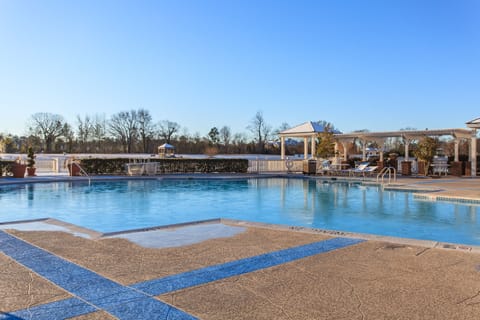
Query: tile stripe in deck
61,309
118,300
122,297
234,268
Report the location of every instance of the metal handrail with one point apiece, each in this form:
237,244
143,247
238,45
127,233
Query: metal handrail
384,172
82,171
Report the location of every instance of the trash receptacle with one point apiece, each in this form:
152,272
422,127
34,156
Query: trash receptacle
310,166
406,168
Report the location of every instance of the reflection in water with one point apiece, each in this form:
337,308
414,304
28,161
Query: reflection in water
30,193
120,205
363,208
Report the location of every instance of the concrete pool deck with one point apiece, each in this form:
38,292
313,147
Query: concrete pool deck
237,270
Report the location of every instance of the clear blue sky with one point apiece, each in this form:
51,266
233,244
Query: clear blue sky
377,65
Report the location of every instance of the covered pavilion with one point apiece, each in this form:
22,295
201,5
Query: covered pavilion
306,131
166,150
310,130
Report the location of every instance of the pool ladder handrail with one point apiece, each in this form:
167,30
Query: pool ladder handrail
387,170
82,171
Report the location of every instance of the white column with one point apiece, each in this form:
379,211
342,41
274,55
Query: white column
473,153
380,147
335,148
407,144
305,148
456,144
345,152
282,148
313,147
364,150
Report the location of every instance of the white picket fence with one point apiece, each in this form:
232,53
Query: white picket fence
55,163
260,166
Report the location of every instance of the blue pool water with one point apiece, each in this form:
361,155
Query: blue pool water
129,204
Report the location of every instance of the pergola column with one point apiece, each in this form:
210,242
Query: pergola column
473,152
282,148
456,146
380,144
364,150
305,148
313,147
345,152
407,142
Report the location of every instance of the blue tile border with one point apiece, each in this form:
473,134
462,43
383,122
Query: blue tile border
116,299
96,293
62,309
221,271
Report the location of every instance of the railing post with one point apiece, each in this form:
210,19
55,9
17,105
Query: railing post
56,165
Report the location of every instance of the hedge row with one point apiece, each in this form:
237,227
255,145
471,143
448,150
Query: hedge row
180,165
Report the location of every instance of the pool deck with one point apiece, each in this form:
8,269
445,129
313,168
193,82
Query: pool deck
225,269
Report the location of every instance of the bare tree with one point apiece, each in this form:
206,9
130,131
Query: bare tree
123,127
166,129
225,136
284,126
145,128
48,127
99,131
260,129
85,129
69,136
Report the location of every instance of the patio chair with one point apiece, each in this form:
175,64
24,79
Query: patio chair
325,168
370,170
359,169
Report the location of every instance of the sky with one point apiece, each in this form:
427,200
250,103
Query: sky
377,65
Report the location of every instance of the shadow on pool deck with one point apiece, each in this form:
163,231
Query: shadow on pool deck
364,280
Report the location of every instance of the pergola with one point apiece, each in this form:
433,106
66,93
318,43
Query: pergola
307,130
310,130
408,136
166,150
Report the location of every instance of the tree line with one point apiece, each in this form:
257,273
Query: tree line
134,131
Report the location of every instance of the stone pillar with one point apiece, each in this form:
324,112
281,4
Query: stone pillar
406,168
456,168
282,148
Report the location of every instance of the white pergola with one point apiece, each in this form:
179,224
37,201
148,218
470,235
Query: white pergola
307,130
310,130
408,136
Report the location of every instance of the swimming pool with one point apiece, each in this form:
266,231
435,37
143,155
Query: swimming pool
129,204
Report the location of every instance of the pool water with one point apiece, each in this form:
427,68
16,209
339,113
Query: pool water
129,204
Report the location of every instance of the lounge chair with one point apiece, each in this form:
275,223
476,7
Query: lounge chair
359,169
325,168
370,170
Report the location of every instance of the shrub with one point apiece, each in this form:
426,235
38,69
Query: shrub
176,165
